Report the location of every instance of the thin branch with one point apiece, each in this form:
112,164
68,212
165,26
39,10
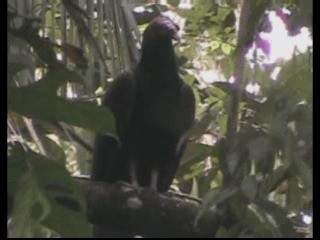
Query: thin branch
37,138
251,12
232,123
77,16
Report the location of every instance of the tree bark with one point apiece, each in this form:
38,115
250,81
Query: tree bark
146,213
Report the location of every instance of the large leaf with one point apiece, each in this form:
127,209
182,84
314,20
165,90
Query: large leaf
200,127
32,103
194,154
249,186
18,62
54,151
274,179
27,196
45,51
42,46
296,76
45,193
254,220
212,198
295,194
55,77
281,224
304,172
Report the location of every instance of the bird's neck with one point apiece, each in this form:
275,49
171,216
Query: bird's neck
159,58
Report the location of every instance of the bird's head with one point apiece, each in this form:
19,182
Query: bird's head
161,28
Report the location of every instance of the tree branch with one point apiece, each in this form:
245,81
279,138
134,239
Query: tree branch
251,12
145,212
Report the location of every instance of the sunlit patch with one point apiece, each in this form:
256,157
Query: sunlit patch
307,219
275,73
232,79
139,9
59,56
185,4
38,73
209,76
272,47
253,88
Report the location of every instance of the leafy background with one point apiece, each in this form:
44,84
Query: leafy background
61,57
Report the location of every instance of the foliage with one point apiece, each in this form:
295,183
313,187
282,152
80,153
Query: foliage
46,197
271,169
255,187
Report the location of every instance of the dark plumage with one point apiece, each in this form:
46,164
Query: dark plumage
153,108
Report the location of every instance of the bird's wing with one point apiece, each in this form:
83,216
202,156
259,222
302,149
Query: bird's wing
104,156
186,108
120,98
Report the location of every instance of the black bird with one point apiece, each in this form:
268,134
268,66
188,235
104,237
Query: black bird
153,109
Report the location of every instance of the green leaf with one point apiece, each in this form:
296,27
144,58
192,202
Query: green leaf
68,223
54,151
231,232
304,172
200,127
192,160
42,46
222,124
190,171
274,179
195,189
214,45
295,194
212,198
254,220
296,76
249,187
258,147
18,62
226,48
32,103
16,167
46,194
26,197
189,79
218,91
282,225
54,78
227,66
196,152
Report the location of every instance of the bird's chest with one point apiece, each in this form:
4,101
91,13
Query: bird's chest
161,110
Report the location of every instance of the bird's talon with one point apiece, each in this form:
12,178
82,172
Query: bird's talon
136,186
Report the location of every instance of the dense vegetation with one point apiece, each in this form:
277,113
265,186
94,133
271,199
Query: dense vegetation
249,156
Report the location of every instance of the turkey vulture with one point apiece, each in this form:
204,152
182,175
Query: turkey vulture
153,108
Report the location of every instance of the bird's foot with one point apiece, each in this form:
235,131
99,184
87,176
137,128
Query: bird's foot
154,180
129,186
136,186
125,186
133,177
